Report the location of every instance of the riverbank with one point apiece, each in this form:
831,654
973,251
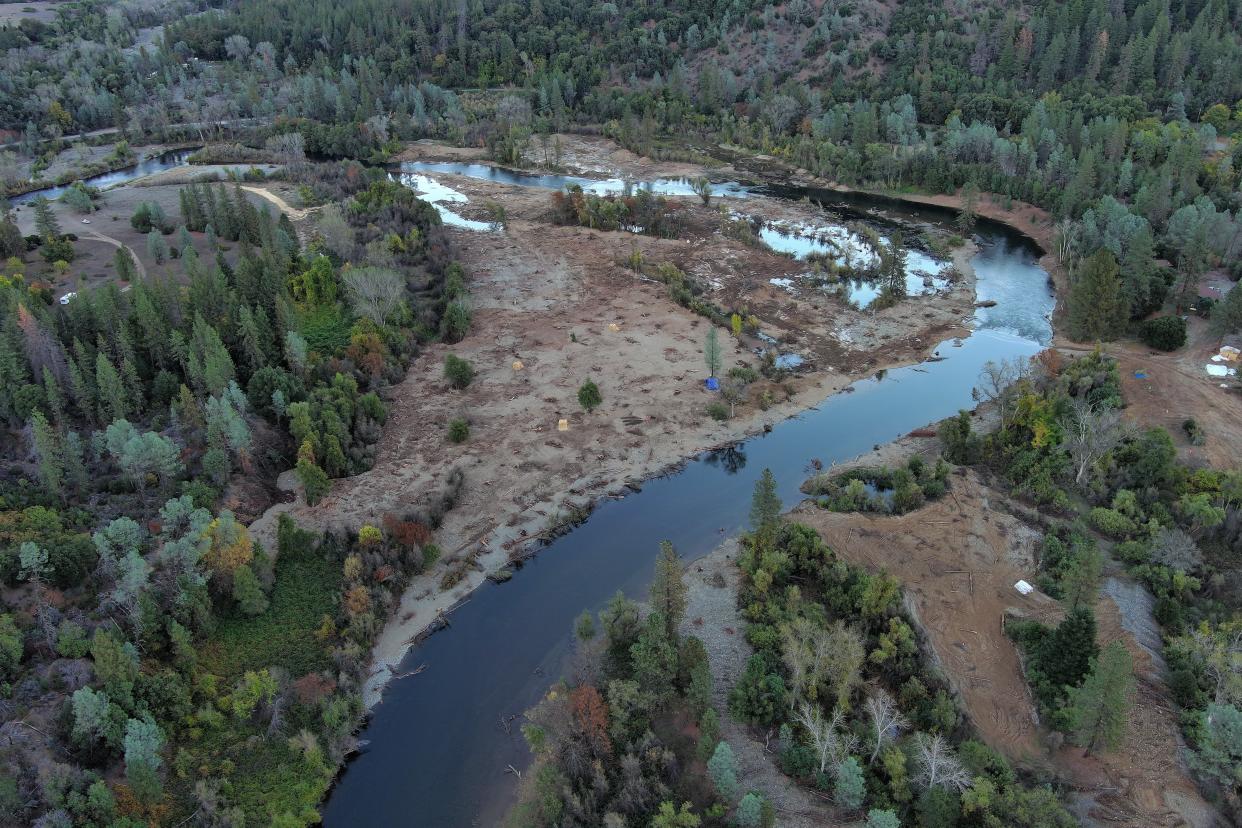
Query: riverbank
85,170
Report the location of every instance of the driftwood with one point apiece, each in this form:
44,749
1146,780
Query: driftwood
413,672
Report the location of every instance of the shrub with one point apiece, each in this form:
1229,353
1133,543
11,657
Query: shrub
1111,522
71,640
457,371
147,217
458,431
718,411
1165,332
589,396
314,481
456,321
743,374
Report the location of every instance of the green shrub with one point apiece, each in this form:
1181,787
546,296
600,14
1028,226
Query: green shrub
306,588
743,373
1167,333
71,640
459,372
589,396
456,321
1111,522
718,411
458,430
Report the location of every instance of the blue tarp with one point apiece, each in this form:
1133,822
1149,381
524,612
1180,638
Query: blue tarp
711,384
1140,375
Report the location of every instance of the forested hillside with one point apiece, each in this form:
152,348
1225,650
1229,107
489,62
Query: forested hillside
160,665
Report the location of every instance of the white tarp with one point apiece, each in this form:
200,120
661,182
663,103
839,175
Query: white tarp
1024,587
1216,370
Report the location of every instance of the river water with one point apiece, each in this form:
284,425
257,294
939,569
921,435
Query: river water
437,754
147,166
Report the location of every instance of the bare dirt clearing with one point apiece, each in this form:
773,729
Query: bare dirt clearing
581,154
1166,389
109,227
557,300
12,14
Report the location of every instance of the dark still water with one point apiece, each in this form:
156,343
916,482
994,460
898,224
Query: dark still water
437,753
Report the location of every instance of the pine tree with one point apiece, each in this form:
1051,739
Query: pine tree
48,449
1099,709
1097,306
655,661
850,788
110,390
247,591
711,351
46,222
75,462
668,590
1227,316
55,397
765,508
722,768
254,341
1065,656
125,271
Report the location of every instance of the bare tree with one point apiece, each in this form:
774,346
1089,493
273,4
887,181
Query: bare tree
832,745
375,291
938,765
288,147
996,384
1066,234
886,721
336,232
1177,550
733,392
513,110
1090,433
804,648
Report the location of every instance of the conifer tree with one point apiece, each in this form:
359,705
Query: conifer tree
111,391
55,397
46,223
1097,306
765,508
668,590
1099,709
48,450
1065,657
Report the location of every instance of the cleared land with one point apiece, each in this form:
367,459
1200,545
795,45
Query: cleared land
560,301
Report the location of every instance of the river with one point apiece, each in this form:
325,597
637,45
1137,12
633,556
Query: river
437,753
147,166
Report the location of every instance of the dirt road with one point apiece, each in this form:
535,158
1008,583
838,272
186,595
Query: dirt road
139,267
294,213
